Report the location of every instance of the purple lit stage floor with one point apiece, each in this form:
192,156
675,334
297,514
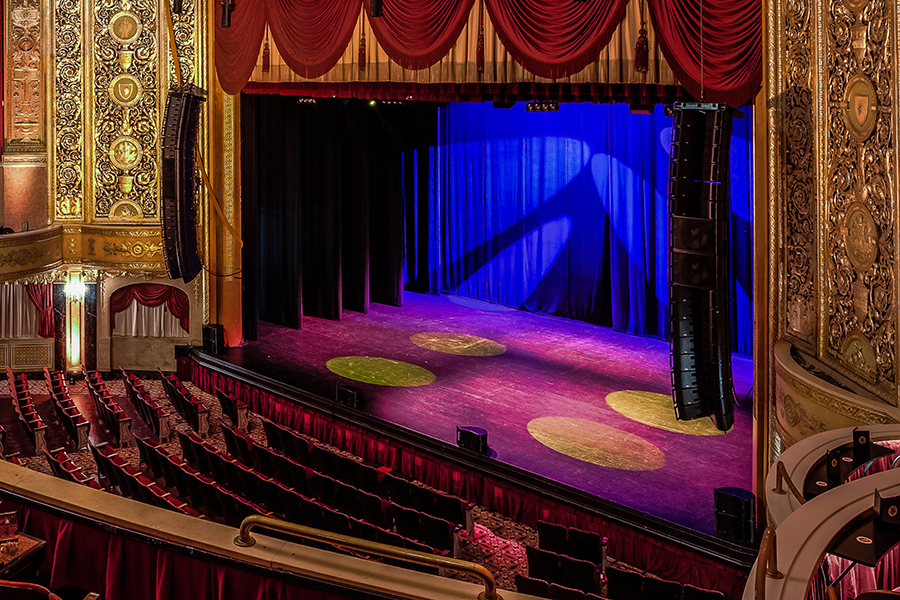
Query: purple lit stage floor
552,368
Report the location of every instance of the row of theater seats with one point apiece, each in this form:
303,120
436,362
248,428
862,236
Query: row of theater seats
132,483
620,585
234,409
63,467
193,411
571,541
109,410
373,479
24,406
149,410
73,421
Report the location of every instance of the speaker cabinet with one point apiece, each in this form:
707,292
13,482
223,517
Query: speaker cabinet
472,438
213,339
699,282
887,509
349,395
862,442
833,466
179,211
735,515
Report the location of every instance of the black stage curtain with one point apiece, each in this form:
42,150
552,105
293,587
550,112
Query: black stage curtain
326,188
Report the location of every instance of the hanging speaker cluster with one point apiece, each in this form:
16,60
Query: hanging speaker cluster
699,282
179,209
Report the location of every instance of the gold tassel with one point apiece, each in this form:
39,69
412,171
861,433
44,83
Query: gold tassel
479,48
265,66
642,47
362,41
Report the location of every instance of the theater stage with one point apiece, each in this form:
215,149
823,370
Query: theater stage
577,404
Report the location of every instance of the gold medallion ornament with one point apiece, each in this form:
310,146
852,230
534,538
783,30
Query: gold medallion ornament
861,236
125,152
125,90
125,27
862,107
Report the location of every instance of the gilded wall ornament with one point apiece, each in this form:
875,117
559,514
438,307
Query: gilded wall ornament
125,210
861,236
67,168
862,107
125,90
135,249
26,94
125,152
125,27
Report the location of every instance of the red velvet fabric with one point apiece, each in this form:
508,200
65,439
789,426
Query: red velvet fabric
555,38
724,57
41,295
151,294
628,544
238,46
311,35
122,568
633,93
416,34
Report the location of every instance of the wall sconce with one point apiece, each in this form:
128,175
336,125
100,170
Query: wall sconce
75,290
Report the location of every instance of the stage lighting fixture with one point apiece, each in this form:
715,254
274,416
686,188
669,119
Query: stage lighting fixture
227,7
541,106
373,102
306,101
375,8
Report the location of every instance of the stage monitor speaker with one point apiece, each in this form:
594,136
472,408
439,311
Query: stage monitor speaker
179,210
472,438
735,515
213,339
887,509
862,442
349,395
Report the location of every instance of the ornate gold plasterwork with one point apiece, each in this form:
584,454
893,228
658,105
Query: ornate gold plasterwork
25,64
795,415
67,168
800,210
859,233
23,257
135,249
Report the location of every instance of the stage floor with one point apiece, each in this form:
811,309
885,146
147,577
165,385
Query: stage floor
578,404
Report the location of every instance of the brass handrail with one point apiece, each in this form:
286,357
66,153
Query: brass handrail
781,475
767,563
244,539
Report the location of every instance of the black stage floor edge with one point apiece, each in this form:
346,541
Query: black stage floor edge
741,557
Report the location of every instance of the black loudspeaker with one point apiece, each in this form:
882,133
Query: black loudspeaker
887,509
862,442
179,211
699,282
736,515
833,466
349,395
213,339
472,438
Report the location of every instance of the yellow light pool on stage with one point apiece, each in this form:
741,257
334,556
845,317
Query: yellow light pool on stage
460,344
597,443
656,410
380,371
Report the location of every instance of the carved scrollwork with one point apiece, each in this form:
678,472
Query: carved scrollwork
26,77
69,124
860,230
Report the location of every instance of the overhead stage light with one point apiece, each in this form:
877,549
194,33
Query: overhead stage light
375,8
541,106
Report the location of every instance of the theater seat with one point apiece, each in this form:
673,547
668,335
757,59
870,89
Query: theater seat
532,586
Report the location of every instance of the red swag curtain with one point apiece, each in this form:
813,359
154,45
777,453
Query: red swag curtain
730,52
555,38
42,296
416,34
151,295
238,46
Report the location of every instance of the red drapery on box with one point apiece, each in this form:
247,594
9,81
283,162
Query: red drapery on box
416,34
41,295
628,544
151,294
720,62
555,38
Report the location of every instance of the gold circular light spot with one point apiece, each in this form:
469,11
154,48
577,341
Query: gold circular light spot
458,343
597,443
380,371
656,410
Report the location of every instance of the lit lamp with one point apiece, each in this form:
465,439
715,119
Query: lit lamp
74,291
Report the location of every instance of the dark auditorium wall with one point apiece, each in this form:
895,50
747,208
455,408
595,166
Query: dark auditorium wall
326,191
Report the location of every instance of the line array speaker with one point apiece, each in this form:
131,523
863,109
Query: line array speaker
735,515
179,183
699,282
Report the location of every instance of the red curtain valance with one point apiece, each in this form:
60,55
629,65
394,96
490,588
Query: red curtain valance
720,62
41,295
238,46
555,38
151,295
416,34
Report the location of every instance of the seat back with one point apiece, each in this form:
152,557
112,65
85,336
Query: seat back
532,586
584,545
623,585
552,537
661,589
558,592
543,564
